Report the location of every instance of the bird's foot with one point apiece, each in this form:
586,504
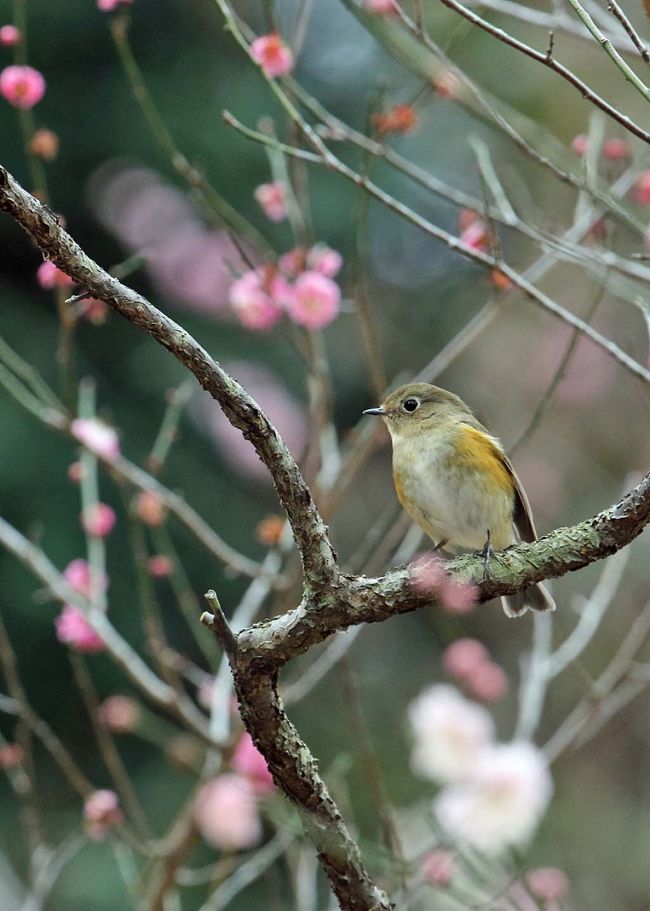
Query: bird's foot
486,553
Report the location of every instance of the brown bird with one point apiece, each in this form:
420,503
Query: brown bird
456,481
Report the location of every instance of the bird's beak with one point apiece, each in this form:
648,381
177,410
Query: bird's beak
380,410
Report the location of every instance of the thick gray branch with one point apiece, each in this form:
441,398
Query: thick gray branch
351,600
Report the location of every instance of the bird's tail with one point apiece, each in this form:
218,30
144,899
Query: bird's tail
534,598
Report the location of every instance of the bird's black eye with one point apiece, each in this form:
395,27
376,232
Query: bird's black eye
411,405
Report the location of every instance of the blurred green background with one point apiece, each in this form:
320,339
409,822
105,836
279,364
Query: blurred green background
592,438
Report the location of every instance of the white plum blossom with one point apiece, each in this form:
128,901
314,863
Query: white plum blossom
501,801
448,732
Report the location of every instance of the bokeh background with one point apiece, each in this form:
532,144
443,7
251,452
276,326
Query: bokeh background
120,196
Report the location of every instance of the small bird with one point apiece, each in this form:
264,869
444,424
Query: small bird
456,481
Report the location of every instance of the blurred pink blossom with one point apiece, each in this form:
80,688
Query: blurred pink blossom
102,812
93,311
191,264
548,883
579,144
438,868
119,714
11,755
10,36
258,300
457,597
448,733
74,630
315,301
99,520
226,813
77,574
107,6
427,574
22,86
249,762
50,276
461,657
501,799
486,682
150,508
159,566
76,472
381,7
286,413
324,260
96,436
272,54
272,197
616,150
475,235
641,189
293,261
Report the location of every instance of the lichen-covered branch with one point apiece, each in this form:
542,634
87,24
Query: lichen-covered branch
352,600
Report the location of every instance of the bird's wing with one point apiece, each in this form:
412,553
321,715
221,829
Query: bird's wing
522,513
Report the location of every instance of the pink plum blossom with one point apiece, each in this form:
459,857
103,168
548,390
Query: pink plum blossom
22,86
641,188
44,144
579,145
616,150
272,54
548,883
108,6
457,597
448,733
119,714
159,566
96,436
150,508
93,311
50,276
258,299
381,7
438,868
99,520
324,260
461,657
76,472
293,262
486,682
475,235
427,574
190,264
74,630
101,812
77,574
11,755
272,197
226,813
315,301
249,762
501,799
10,36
